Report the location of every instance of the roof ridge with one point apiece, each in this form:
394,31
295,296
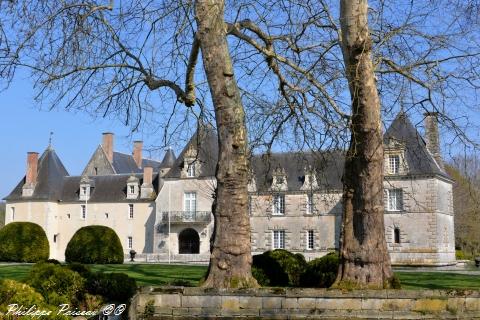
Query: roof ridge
131,155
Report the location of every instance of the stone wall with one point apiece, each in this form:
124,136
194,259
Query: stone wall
281,303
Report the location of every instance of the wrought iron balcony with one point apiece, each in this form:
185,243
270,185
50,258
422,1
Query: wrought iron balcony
187,217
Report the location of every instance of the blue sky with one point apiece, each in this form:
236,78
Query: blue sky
27,128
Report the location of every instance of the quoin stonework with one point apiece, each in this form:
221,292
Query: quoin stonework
162,208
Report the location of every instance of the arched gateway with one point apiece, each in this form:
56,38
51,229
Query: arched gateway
188,241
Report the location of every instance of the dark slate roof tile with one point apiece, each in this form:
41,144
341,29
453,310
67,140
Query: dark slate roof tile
205,141
124,163
328,169
420,161
108,188
49,179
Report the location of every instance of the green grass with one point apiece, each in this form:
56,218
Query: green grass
161,274
438,280
144,274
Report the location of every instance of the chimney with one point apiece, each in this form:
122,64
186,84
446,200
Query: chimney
31,174
432,137
107,145
146,190
32,166
137,152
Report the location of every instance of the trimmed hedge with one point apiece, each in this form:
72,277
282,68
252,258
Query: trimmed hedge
278,268
94,244
321,272
115,287
23,242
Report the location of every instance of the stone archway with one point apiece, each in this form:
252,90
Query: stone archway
188,241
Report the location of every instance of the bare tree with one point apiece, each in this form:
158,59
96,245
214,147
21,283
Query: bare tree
140,61
364,256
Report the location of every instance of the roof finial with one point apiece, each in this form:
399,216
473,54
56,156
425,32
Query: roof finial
50,140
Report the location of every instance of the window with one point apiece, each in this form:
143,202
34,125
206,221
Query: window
84,191
191,170
280,180
393,164
310,240
278,204
250,205
190,201
106,215
96,171
130,242
83,211
12,212
55,237
278,239
132,189
396,235
130,211
309,203
394,200
68,215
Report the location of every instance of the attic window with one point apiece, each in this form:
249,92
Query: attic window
191,170
280,180
132,189
393,164
84,191
96,171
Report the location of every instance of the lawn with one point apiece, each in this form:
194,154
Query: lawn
160,274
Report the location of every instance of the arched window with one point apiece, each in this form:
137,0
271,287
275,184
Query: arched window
396,235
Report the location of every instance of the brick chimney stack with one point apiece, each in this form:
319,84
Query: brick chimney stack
32,167
31,174
432,137
146,189
107,145
137,152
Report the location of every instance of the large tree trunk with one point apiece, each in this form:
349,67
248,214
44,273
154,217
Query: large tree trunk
230,260
365,261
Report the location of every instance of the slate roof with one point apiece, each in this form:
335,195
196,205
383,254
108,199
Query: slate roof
205,141
420,161
51,172
108,188
328,168
124,163
169,159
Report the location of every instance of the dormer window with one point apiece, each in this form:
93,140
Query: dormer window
191,170
394,164
132,187
86,186
280,180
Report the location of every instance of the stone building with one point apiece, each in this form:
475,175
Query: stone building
162,209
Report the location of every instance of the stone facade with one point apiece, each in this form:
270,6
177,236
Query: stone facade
162,209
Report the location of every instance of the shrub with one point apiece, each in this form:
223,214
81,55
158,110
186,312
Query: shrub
81,269
53,261
278,268
57,284
94,244
23,242
13,292
115,287
321,272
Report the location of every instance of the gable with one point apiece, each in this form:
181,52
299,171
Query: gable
98,164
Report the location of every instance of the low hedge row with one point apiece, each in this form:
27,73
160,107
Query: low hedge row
283,268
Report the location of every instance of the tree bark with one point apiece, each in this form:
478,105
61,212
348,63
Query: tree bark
230,260
365,262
